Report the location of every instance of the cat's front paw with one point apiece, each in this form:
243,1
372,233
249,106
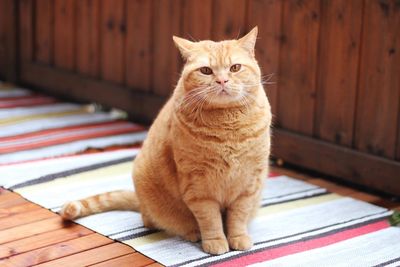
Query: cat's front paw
192,236
215,246
241,242
71,210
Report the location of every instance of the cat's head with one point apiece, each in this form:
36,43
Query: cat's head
220,73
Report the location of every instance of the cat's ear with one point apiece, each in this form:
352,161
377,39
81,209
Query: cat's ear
248,41
184,46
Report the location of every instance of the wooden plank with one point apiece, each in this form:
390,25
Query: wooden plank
142,107
43,49
113,30
197,19
92,256
298,65
315,180
337,70
332,187
365,197
25,30
166,60
28,229
56,251
8,199
64,36
88,37
286,171
378,91
267,15
3,191
138,45
8,40
43,240
24,216
387,204
130,260
229,19
351,165
13,210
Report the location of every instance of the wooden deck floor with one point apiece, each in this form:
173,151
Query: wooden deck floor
31,235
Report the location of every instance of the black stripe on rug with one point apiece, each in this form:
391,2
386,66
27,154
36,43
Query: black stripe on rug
140,234
294,193
124,231
53,176
388,262
295,199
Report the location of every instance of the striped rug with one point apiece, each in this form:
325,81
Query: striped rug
34,126
298,224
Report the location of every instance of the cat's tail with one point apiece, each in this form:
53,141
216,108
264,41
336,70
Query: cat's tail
115,200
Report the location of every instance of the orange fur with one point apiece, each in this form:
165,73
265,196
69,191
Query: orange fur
206,154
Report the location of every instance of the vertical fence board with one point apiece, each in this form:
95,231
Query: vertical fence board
267,15
378,92
44,31
337,70
87,37
3,36
113,30
8,40
165,61
138,44
197,19
229,19
3,41
298,65
398,134
25,30
64,37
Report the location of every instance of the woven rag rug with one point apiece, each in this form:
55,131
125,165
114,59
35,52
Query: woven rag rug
298,224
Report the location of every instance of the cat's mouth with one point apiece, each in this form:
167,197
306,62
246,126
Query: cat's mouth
225,96
224,92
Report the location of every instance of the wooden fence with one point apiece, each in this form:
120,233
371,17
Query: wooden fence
336,63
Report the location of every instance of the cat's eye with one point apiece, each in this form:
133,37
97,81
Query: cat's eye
236,67
206,70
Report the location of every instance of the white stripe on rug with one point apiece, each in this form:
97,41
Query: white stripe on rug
11,175
282,192
35,110
13,92
35,125
73,147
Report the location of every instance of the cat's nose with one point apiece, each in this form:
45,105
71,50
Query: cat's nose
222,81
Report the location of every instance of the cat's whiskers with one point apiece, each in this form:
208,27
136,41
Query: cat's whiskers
195,100
266,79
193,96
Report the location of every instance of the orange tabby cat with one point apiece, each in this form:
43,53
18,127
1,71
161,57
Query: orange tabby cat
206,154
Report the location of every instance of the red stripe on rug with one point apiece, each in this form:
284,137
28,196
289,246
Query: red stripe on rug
270,254
273,175
66,139
28,101
64,129
19,97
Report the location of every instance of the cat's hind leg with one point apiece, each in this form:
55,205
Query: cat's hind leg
167,213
